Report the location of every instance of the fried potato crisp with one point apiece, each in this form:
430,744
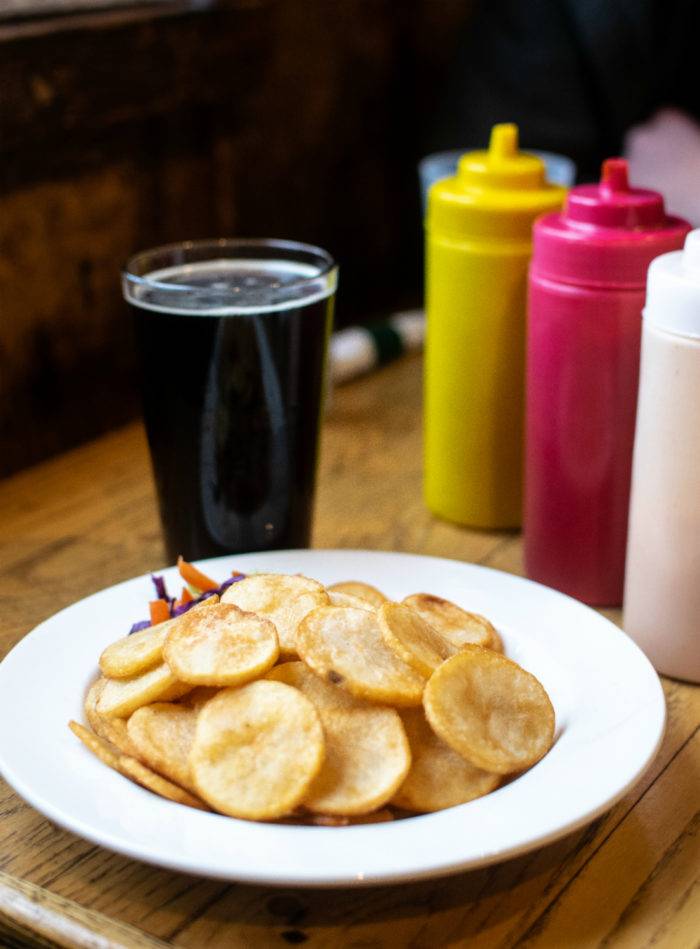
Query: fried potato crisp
138,772
452,622
199,695
120,697
439,777
112,730
221,646
135,653
143,650
115,731
344,645
90,705
131,768
162,735
257,749
490,710
362,591
412,639
281,598
98,746
347,599
367,754
331,820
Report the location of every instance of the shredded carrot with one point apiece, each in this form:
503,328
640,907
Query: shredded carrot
185,597
160,611
195,577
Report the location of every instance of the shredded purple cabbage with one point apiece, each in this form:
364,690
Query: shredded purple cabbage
159,584
162,594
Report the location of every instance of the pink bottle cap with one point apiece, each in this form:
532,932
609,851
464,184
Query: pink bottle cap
607,234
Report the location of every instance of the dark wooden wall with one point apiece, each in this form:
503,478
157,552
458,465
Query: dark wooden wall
125,129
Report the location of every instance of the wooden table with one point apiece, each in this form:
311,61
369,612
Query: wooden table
87,519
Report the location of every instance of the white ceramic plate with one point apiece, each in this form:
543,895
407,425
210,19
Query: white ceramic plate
608,700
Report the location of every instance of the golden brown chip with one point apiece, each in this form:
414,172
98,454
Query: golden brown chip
115,731
138,772
452,622
490,710
136,653
439,777
132,768
284,599
120,697
367,755
257,748
361,591
222,646
344,645
347,599
199,695
98,746
90,706
162,735
412,639
330,820
496,641
112,730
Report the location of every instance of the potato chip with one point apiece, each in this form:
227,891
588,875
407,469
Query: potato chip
367,754
136,653
412,639
439,777
344,645
138,772
284,599
120,697
199,695
490,711
362,591
452,622
331,820
132,768
496,641
162,735
115,731
222,646
347,599
143,650
98,746
112,730
257,748
90,705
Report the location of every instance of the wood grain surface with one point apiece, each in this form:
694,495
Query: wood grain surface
87,519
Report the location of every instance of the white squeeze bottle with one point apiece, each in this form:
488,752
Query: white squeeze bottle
662,583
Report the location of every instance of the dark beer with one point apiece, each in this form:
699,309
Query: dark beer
233,383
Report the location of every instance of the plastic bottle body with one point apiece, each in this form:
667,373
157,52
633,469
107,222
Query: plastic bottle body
582,377
662,586
474,386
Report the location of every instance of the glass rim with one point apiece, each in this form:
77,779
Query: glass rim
224,243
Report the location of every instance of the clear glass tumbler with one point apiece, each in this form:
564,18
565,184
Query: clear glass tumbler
232,339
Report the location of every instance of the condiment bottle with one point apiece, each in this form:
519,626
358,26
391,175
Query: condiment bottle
662,584
478,246
586,293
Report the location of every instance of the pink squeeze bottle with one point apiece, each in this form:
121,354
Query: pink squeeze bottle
586,293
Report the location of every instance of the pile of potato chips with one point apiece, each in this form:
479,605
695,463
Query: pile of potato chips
287,700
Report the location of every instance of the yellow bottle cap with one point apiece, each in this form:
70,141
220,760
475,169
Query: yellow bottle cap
495,195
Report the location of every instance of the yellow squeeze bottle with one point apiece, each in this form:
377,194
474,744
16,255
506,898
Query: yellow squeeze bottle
478,246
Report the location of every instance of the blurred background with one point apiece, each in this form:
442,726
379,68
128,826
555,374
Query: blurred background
129,123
